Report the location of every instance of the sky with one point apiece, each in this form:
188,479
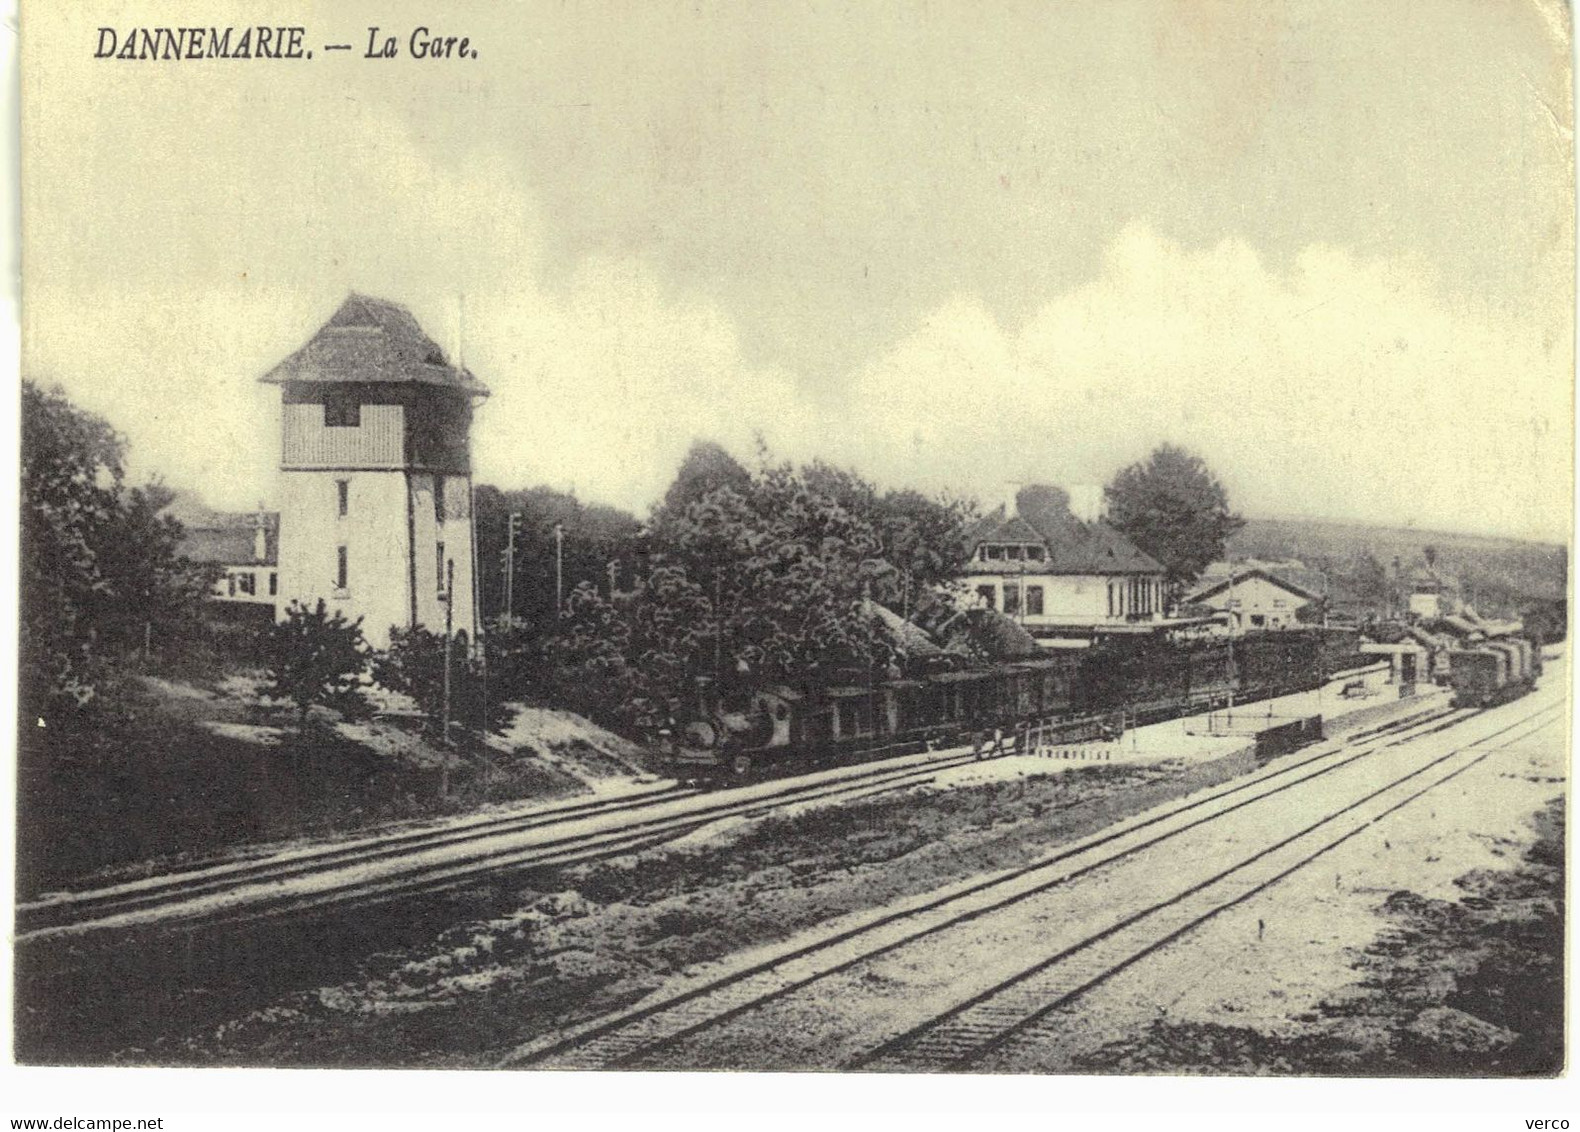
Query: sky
1326,245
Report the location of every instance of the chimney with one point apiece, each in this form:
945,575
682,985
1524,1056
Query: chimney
260,540
1011,504
1086,502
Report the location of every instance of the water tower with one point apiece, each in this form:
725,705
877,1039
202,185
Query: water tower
376,473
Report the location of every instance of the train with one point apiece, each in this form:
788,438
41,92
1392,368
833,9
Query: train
741,731
1494,671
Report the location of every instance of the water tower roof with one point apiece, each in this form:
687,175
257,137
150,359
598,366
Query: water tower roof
370,340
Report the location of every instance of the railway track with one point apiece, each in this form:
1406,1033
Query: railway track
964,1035
653,1035
55,909
385,868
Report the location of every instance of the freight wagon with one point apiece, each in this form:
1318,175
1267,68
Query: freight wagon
1072,697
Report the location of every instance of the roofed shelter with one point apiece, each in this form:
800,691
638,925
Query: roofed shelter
1255,599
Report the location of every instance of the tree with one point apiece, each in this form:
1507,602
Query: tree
740,578
1173,508
593,536
1370,581
99,563
414,665
706,468
316,657
149,582
918,535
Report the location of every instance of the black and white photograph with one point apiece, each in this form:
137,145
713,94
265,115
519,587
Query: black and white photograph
1022,540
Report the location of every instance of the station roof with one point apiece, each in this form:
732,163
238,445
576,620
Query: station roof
232,540
1072,547
1218,586
372,341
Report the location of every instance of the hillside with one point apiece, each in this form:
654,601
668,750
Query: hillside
1497,574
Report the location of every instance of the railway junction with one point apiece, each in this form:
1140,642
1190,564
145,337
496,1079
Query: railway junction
973,973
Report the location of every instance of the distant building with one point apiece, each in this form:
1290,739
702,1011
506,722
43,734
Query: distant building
376,473
245,545
1058,574
1253,598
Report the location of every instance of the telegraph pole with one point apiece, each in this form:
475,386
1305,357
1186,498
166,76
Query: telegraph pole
559,570
510,566
449,636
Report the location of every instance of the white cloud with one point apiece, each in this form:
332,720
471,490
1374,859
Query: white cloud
1345,388
605,385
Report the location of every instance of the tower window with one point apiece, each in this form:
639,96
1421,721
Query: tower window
342,574
342,411
438,499
343,496
274,583
441,569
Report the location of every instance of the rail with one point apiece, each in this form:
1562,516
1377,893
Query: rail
638,1036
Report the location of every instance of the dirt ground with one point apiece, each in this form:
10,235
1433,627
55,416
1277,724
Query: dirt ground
1432,943
613,933
1379,953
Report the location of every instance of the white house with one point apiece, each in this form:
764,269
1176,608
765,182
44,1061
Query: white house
1254,599
244,545
376,474
1060,575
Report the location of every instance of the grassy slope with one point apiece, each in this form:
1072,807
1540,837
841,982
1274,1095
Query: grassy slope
143,781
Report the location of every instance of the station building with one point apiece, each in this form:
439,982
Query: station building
1065,578
1255,598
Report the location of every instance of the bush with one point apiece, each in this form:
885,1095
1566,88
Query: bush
317,658
414,665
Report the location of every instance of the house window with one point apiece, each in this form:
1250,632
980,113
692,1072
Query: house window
230,580
274,583
247,583
1011,600
1016,553
995,552
343,497
987,596
1258,620
342,573
342,411
1034,553
438,499
1034,601
441,569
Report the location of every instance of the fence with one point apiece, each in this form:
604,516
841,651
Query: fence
1091,738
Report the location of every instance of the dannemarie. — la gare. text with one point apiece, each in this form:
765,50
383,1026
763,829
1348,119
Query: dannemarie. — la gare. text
172,44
